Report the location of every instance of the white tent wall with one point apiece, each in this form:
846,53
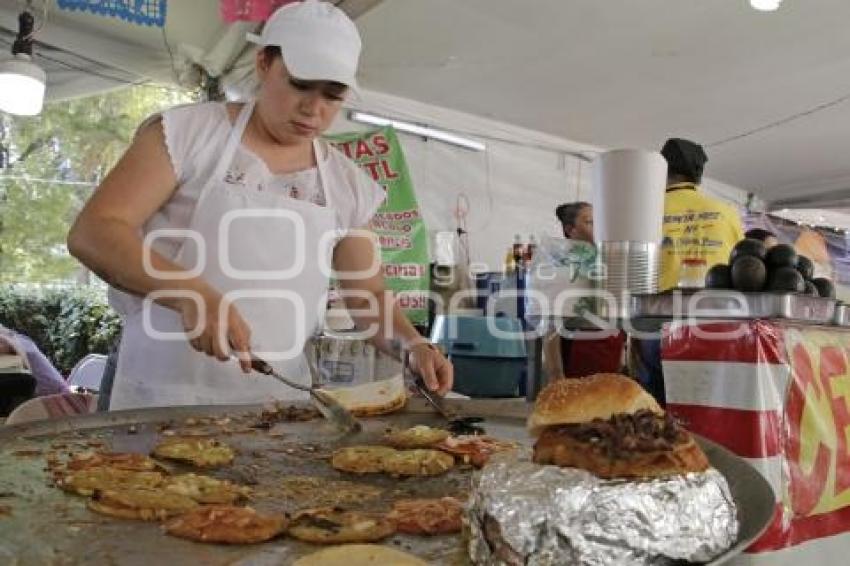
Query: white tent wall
512,188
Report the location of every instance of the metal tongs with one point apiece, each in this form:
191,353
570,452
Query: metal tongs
457,425
330,408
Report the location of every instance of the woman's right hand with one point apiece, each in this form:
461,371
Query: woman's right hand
215,327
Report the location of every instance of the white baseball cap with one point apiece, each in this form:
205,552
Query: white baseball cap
319,42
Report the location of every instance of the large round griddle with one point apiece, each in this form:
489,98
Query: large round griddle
45,525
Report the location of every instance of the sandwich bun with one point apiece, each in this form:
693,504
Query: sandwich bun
599,396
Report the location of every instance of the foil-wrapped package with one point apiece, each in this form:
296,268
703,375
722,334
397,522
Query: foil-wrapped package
525,513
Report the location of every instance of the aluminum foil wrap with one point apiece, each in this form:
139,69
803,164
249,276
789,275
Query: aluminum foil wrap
526,513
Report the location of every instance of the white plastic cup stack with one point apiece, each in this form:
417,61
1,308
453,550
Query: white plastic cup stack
628,209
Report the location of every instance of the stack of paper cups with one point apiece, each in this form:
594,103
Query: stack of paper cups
628,207
628,196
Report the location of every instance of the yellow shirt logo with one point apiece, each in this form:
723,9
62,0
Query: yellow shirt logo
695,227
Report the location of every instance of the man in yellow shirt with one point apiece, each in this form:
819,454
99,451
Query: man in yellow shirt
695,226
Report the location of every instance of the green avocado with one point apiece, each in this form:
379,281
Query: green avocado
811,290
805,267
825,287
781,255
748,273
719,277
786,279
748,246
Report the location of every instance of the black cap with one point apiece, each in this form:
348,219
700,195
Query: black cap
685,158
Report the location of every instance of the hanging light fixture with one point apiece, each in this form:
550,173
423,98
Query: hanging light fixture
22,82
765,5
424,131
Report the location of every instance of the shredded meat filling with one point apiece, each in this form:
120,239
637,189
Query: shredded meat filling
285,414
643,431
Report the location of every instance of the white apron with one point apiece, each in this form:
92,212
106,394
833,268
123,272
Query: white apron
256,253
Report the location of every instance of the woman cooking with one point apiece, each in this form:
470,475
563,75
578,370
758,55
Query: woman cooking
213,226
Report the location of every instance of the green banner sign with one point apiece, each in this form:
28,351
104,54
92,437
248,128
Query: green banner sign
398,224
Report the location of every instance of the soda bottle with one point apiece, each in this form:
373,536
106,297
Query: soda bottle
509,264
530,249
518,251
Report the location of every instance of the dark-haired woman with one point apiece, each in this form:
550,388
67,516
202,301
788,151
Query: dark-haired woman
218,228
591,355
576,220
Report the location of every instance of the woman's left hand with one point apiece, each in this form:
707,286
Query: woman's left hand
437,372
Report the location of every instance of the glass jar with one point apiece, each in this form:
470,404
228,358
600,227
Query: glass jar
692,273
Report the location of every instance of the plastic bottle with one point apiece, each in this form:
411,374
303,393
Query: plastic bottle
518,251
530,248
692,273
509,265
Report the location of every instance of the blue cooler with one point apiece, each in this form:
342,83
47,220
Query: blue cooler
485,365
499,289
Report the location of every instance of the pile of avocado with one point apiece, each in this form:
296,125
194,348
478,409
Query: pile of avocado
753,268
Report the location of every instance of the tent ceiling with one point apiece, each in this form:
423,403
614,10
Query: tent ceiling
73,45
624,74
834,218
111,47
613,74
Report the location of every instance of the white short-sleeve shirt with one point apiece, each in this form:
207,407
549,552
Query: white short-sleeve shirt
195,136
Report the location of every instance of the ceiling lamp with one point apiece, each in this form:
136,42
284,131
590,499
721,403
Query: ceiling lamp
22,82
765,5
424,131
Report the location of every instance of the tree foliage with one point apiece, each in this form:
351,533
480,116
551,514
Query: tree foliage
65,324
55,161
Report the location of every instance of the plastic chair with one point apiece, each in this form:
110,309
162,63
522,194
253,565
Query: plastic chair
88,373
53,406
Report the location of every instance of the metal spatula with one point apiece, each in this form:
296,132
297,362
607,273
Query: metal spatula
330,408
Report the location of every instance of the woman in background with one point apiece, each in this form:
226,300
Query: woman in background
576,220
586,356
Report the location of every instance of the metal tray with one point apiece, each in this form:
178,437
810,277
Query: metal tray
842,315
720,304
43,525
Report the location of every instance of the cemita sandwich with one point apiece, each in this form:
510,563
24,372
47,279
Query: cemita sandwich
608,425
614,481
